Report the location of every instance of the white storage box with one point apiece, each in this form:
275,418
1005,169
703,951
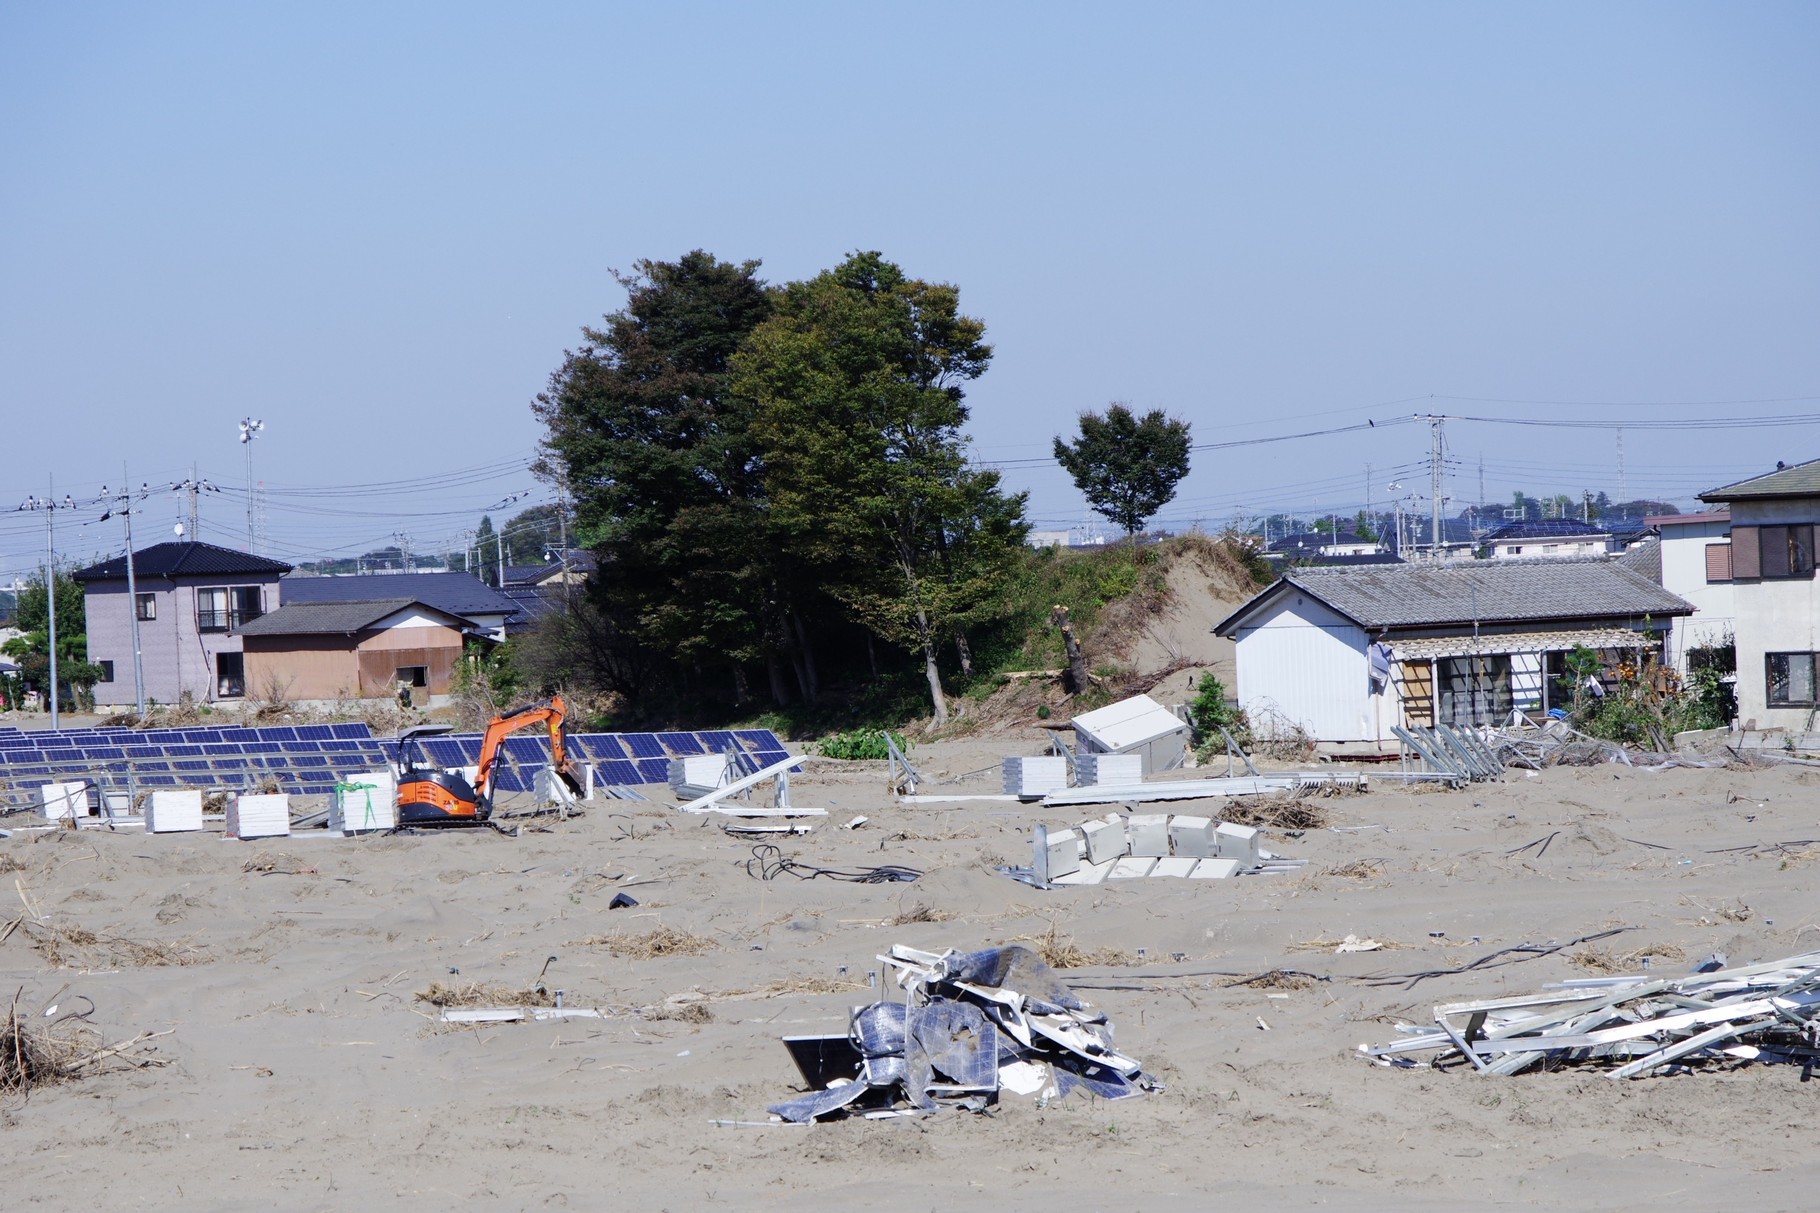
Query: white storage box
1061,851
1031,778
264,816
364,801
1106,840
1192,836
700,771
173,810
1150,835
1237,842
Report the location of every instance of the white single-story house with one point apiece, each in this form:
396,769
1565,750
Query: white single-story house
1347,654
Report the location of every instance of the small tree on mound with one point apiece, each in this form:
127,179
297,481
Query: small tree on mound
1126,466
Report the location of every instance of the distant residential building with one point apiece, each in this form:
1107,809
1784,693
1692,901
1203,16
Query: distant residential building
1557,538
192,600
1322,543
1769,563
1347,654
1692,558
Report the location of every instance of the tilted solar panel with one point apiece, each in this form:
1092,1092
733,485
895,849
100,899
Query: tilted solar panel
654,770
618,771
643,745
680,743
355,731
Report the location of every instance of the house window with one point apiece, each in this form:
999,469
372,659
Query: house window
222,608
146,606
1516,549
230,675
414,675
1790,679
1773,552
107,670
1549,549
1718,562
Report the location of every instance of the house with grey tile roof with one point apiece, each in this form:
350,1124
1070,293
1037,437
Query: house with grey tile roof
1767,557
1346,654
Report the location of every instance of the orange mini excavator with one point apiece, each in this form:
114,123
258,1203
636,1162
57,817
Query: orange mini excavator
431,796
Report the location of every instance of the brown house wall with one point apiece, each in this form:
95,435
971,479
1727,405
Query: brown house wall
336,667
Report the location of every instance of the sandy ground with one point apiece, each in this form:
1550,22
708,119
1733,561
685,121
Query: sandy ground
304,1074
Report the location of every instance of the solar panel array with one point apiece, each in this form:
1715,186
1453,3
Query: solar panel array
306,759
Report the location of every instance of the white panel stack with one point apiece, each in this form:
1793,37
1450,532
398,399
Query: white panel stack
1032,778
170,811
63,800
366,800
1109,770
265,816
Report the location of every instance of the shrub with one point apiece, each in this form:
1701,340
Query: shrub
1209,713
860,744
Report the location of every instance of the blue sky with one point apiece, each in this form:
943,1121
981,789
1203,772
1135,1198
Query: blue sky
378,226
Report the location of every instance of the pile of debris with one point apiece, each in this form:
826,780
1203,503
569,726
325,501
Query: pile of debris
969,1024
1633,1025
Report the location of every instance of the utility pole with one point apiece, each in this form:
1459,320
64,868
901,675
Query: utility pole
1623,493
403,539
124,498
249,430
50,506
1436,446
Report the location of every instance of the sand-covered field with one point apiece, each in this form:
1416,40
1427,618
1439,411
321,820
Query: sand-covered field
304,1072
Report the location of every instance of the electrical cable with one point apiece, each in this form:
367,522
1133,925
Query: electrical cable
768,863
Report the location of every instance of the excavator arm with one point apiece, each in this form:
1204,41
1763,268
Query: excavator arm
551,711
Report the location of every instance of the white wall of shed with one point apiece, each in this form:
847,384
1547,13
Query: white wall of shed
1306,662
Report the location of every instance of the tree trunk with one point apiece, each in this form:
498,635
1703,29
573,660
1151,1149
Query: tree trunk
811,678
780,690
966,653
935,680
741,692
872,655
1078,678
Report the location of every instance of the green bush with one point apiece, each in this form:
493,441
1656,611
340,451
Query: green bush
1209,713
859,745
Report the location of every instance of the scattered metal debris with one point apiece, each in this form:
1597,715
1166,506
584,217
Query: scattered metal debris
1120,847
1633,1025
970,1023
768,863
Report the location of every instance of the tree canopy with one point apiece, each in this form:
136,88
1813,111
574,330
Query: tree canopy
1126,466
768,473
32,650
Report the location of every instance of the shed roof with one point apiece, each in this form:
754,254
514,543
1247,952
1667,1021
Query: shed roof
1798,480
185,559
334,618
1483,591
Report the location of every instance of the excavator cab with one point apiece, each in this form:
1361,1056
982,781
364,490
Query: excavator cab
431,796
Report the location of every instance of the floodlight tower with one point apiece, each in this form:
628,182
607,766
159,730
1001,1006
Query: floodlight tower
249,430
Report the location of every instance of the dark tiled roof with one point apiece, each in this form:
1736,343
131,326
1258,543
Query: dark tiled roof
1554,528
1645,557
457,593
1800,480
185,560
330,618
1489,591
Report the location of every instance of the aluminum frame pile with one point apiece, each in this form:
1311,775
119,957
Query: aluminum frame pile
1628,1027
970,1023
1447,753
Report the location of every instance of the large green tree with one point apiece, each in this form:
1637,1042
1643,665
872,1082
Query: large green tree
77,676
858,384
1125,465
641,426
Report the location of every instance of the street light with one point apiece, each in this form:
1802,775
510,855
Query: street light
249,430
